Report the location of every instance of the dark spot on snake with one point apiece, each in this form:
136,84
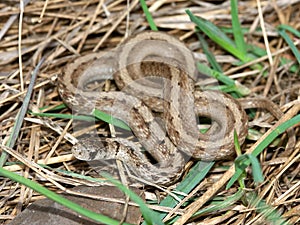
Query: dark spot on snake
155,177
117,147
163,142
150,158
92,154
133,155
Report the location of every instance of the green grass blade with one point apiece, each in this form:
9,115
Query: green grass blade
229,30
219,37
109,119
262,145
148,15
241,163
96,113
257,51
239,153
234,86
149,215
202,68
293,68
240,172
289,41
218,203
256,169
237,30
237,145
193,178
64,116
59,199
59,107
290,29
221,204
270,214
275,133
209,55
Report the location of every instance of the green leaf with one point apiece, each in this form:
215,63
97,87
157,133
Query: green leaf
109,119
290,29
219,37
64,116
237,30
58,107
96,113
239,174
148,15
209,55
243,161
289,41
233,85
237,144
256,169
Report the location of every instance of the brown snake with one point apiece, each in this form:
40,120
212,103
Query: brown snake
155,73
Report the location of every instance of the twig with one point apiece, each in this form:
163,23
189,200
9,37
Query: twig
20,44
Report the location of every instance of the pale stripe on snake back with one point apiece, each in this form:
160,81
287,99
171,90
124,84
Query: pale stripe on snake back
127,108
151,46
226,113
171,92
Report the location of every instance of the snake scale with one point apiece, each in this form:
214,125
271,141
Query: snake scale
155,74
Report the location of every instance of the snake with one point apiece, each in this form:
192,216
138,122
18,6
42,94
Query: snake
156,97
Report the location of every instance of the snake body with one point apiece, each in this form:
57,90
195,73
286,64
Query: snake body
155,74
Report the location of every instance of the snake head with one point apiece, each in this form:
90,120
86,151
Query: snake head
92,148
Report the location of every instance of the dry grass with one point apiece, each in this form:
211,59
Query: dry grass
62,30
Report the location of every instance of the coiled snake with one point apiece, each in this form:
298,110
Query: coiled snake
155,74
